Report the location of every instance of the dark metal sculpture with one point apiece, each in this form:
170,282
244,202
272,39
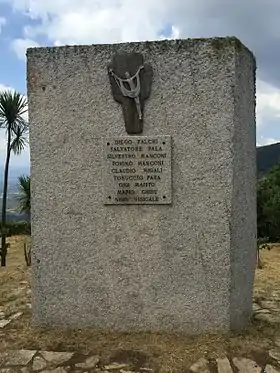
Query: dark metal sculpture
131,81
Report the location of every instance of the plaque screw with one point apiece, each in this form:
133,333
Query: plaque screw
109,197
108,143
163,142
164,197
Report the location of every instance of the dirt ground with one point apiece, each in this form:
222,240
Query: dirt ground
170,353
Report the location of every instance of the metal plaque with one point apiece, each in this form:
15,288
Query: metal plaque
137,170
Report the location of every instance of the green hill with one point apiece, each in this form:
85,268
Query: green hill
268,156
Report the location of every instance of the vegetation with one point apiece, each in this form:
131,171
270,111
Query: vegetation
17,228
12,108
267,157
24,196
268,205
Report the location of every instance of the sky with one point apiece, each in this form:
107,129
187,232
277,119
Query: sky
29,23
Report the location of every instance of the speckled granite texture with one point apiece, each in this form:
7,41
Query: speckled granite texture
185,267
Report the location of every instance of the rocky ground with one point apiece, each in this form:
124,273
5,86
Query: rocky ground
40,361
24,349
26,361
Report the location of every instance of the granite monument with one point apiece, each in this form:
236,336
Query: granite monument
143,167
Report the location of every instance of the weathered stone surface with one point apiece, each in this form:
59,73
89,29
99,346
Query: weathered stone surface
39,363
3,357
246,365
203,96
275,295
224,366
256,307
56,370
264,311
16,315
115,366
2,315
7,370
277,342
89,363
19,357
56,358
270,304
268,317
270,369
3,323
275,354
201,366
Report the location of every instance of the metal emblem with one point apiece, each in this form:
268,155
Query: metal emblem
131,81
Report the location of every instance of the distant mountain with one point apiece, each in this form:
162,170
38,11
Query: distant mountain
268,156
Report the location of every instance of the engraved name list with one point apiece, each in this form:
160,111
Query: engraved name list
137,170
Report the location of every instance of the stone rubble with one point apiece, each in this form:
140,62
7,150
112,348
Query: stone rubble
39,363
275,355
201,366
116,366
56,358
57,370
20,357
246,365
4,323
32,361
267,310
270,369
224,366
89,363
15,316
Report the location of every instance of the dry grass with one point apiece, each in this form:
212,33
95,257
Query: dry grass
14,279
267,280
172,353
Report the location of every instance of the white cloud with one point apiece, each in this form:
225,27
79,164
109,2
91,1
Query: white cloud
123,20
108,21
19,46
4,87
3,22
268,103
266,141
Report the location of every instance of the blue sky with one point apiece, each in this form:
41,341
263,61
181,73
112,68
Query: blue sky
27,23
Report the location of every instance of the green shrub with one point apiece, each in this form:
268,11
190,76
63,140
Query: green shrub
18,228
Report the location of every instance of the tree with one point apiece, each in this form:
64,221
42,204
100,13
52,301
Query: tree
12,108
24,194
268,205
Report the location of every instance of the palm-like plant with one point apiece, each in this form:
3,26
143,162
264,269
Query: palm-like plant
12,108
24,194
